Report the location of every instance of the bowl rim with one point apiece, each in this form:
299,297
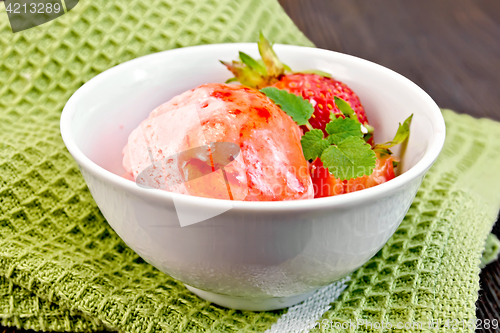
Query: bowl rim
344,200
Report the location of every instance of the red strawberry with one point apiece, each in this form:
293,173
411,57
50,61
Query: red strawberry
320,91
326,185
315,86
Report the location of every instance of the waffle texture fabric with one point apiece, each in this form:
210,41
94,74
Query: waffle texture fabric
62,268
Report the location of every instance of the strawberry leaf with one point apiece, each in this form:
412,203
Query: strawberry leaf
313,144
345,108
351,158
258,73
401,135
253,64
342,128
274,66
244,74
295,106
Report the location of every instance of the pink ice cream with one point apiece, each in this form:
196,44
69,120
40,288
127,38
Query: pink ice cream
270,165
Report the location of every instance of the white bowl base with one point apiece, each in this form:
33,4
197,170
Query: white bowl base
250,304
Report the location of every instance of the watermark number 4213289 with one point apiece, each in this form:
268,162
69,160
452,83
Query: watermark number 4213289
26,14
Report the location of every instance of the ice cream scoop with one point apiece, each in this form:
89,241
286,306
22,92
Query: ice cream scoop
269,166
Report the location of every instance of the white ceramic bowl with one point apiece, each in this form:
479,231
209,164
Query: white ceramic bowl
256,255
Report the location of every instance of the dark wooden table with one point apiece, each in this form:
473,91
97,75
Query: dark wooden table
450,48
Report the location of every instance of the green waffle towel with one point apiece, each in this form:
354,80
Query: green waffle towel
62,268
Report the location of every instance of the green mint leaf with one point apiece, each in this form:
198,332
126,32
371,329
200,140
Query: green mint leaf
295,106
313,144
401,135
345,108
342,128
253,64
351,158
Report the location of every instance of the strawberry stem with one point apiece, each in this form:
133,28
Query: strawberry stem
309,126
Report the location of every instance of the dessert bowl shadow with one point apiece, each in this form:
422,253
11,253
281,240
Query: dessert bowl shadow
254,255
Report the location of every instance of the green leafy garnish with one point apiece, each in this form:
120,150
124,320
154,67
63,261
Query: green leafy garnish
401,135
342,128
344,151
313,144
351,158
295,106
